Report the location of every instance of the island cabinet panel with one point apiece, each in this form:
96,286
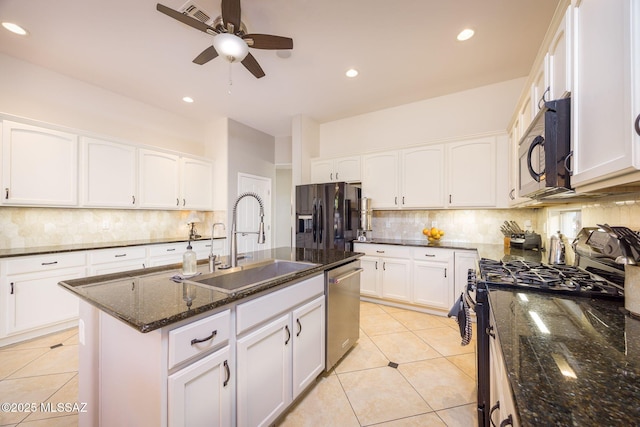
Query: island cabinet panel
39,166
200,394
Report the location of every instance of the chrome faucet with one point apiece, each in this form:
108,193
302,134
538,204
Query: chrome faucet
212,257
234,240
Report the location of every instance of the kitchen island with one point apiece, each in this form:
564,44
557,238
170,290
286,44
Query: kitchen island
157,352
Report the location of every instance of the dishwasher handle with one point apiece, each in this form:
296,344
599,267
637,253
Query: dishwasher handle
337,280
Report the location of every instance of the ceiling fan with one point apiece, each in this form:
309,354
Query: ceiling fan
230,37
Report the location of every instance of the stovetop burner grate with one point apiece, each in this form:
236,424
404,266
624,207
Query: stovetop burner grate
549,278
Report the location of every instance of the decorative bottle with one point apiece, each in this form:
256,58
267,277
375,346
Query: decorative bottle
189,261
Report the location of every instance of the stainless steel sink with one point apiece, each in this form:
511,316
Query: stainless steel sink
247,276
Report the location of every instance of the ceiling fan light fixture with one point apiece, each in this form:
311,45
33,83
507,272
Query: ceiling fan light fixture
15,28
231,47
465,34
351,72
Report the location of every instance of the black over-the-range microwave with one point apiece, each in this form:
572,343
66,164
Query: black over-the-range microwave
545,152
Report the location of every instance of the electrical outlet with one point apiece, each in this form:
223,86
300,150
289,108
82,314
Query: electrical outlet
105,225
434,224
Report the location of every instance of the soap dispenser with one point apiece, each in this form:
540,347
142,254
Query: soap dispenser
189,261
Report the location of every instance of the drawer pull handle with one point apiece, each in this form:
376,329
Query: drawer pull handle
6,193
288,334
429,255
210,337
299,327
119,255
11,289
379,252
177,202
171,249
228,372
445,273
50,263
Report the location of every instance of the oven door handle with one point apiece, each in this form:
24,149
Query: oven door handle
337,280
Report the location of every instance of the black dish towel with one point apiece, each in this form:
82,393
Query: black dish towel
461,312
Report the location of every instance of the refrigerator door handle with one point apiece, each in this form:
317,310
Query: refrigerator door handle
314,222
321,221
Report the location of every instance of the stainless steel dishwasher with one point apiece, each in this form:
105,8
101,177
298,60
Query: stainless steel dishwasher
343,310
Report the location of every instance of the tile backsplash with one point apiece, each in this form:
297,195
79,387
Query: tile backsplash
34,227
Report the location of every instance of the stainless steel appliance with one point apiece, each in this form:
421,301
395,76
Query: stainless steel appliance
327,216
526,240
366,214
557,254
343,310
545,150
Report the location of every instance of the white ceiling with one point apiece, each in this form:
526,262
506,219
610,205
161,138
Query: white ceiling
405,51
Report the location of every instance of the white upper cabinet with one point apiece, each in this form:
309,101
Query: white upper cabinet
380,179
345,169
539,89
422,177
606,99
159,180
559,58
39,166
196,184
472,173
109,174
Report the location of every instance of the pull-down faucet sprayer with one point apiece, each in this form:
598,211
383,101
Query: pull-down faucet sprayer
234,233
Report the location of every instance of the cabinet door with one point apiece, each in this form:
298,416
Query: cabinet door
39,166
347,169
433,284
606,89
539,92
422,177
264,373
370,277
396,282
197,184
308,344
200,394
464,261
321,171
472,173
101,184
560,58
36,301
380,179
159,180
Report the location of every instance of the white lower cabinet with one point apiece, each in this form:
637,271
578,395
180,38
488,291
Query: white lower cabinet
200,394
370,280
107,261
502,408
396,283
166,254
433,277
464,261
34,304
386,271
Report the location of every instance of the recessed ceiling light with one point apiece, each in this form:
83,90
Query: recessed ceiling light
465,34
351,72
188,99
15,28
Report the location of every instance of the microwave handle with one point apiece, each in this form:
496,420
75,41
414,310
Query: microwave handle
538,140
566,163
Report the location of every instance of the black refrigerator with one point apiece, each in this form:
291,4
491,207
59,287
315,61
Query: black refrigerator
327,215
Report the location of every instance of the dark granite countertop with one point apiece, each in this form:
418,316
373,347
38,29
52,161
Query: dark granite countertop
148,299
41,250
584,371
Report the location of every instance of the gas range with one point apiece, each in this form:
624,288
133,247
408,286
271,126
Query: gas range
558,279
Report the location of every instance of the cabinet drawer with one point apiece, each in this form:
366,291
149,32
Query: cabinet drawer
31,264
118,254
169,249
262,309
384,250
432,254
211,331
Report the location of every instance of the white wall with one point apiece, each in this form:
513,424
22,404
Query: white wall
283,208
37,93
472,112
283,151
305,144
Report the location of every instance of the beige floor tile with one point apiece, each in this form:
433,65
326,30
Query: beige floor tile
414,320
402,347
13,360
32,389
392,309
370,308
441,383
466,362
364,355
66,421
426,420
445,341
461,416
57,360
377,324
326,404
45,341
73,340
67,394
381,394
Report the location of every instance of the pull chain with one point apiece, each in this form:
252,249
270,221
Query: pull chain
230,80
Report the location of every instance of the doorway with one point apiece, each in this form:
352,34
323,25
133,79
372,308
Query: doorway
248,212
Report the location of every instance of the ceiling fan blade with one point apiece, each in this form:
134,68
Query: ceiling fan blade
231,13
252,65
192,22
207,55
267,41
